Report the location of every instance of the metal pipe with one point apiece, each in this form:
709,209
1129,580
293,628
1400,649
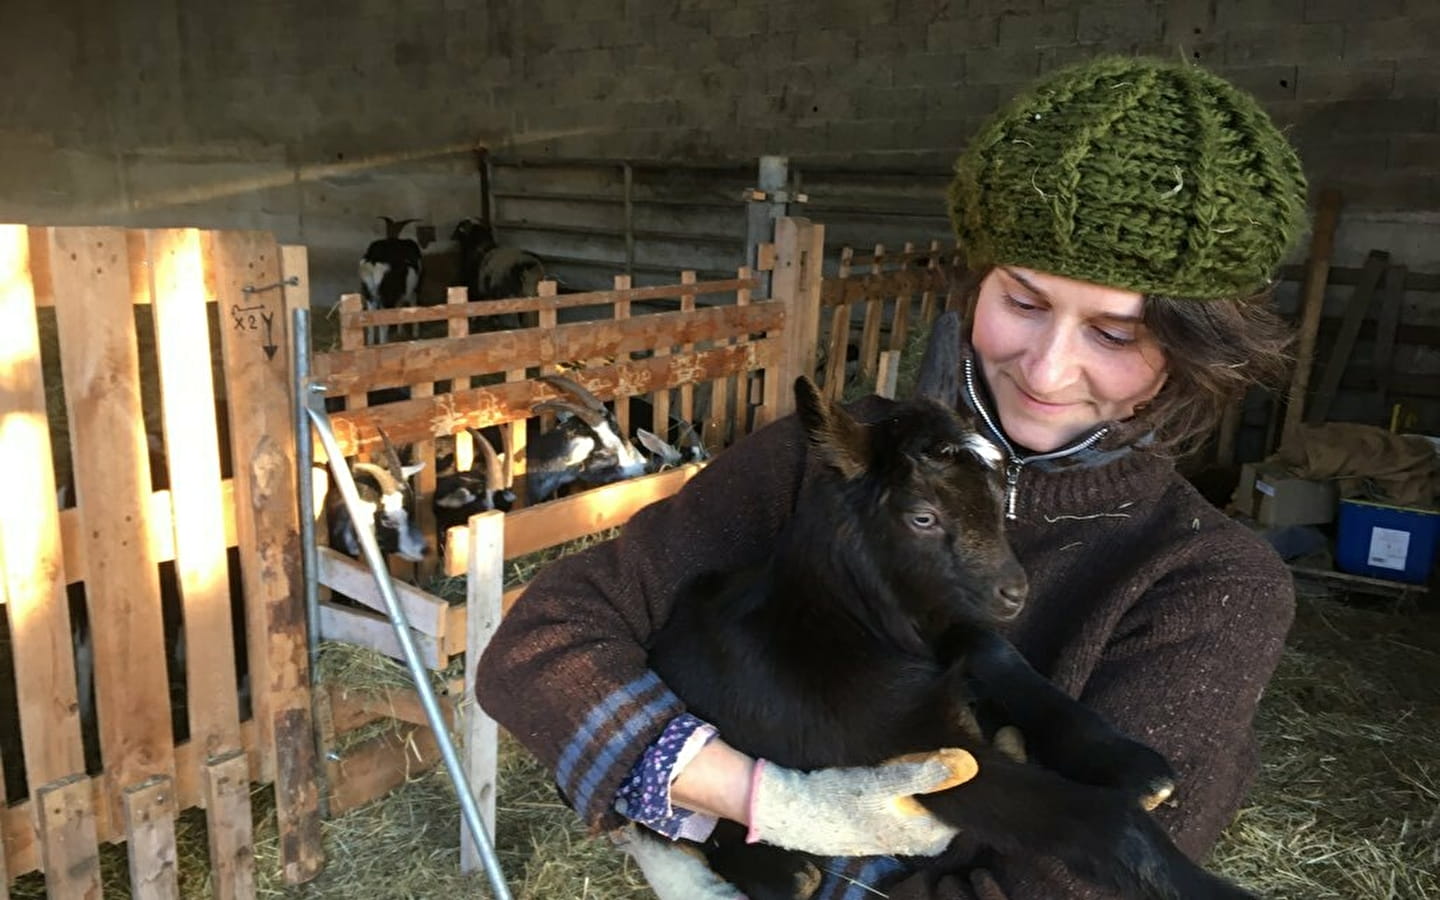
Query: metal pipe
300,390
470,811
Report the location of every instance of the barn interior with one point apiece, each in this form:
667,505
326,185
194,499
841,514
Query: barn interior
641,138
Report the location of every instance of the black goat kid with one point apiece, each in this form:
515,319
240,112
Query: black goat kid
869,634
390,274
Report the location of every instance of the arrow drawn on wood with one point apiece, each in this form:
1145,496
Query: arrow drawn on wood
269,346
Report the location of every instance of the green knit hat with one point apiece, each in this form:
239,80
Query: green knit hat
1151,176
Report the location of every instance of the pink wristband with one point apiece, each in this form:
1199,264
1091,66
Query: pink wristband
751,834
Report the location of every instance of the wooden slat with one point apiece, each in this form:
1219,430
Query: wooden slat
851,288
379,765
355,709
1355,309
558,521
874,316
187,395
353,318
68,844
622,399
1385,329
484,586
1312,299
161,539
357,626
18,822
408,362
742,380
267,521
226,783
839,332
424,611
900,322
546,322
805,337
96,325
687,391
30,542
888,373
927,293
150,840
512,401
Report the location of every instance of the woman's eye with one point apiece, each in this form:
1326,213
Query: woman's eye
1113,339
1019,303
923,520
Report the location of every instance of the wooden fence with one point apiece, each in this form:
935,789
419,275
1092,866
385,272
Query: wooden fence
711,352
874,304
93,297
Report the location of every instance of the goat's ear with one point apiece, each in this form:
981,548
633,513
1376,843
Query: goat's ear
939,375
841,440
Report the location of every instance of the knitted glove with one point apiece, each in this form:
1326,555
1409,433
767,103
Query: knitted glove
674,871
856,812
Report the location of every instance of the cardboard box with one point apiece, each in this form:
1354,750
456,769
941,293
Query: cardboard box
1273,497
1382,541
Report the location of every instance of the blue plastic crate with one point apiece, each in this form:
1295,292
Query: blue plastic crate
1392,542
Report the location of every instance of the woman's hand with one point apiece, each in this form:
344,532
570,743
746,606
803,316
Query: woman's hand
861,811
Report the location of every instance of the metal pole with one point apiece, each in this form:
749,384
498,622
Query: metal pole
309,558
468,808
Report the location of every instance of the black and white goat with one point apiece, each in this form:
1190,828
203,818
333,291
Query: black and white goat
586,446
869,634
482,487
492,272
390,273
389,499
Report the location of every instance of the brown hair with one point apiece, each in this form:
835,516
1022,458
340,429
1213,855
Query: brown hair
1214,351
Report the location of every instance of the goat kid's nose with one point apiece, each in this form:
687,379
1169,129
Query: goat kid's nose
1010,599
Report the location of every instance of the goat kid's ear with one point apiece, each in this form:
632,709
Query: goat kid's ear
843,443
939,375
410,471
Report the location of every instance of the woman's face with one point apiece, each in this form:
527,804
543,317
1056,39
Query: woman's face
1061,356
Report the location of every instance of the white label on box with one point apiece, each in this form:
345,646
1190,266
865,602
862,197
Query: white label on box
1388,548
1265,488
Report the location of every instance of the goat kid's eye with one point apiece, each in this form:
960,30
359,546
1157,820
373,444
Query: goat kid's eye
923,519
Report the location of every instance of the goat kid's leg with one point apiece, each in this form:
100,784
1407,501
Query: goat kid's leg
1024,811
1059,731
761,871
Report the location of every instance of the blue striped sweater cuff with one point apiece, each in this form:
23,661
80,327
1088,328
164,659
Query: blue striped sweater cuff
609,740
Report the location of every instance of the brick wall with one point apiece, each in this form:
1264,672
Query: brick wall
226,113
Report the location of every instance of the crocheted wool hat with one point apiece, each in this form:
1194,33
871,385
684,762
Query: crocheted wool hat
1152,176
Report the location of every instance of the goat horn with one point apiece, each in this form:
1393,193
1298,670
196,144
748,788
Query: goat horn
574,389
493,473
587,415
507,439
381,476
392,459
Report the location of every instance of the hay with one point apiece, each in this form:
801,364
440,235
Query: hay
1347,804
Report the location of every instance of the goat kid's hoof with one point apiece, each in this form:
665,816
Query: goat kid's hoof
807,881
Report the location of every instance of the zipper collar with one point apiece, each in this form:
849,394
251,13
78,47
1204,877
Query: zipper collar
1014,461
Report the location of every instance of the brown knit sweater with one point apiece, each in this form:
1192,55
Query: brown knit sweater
1146,603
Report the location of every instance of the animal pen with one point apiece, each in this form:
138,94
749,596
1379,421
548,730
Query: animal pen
148,365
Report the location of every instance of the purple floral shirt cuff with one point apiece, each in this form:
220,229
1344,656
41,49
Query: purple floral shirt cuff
644,795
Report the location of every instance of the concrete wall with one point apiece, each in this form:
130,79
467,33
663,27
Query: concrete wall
310,118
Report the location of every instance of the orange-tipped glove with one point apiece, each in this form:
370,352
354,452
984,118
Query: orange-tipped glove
856,811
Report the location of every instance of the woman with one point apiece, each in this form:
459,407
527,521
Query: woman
1123,219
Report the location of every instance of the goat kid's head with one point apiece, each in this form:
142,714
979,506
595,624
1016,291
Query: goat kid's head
388,498
924,493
